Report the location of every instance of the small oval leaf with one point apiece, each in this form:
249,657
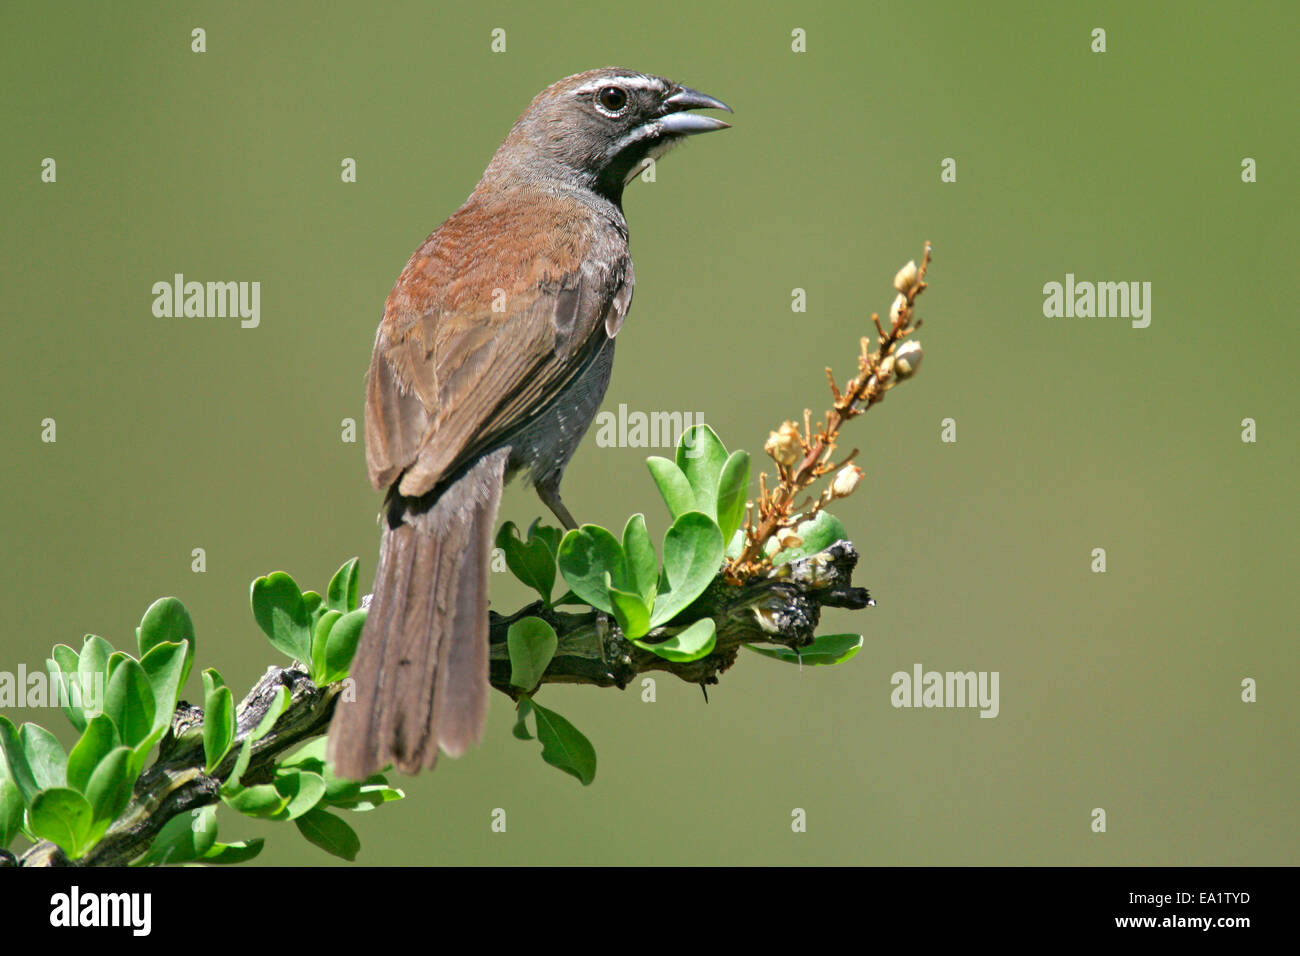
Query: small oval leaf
283,615
330,833
825,650
700,456
817,534
733,490
673,485
341,595
690,644
109,789
564,746
531,643
97,740
165,621
692,557
218,726
45,756
642,563
129,703
586,556
62,816
341,645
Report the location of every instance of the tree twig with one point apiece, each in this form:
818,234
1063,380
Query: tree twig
802,457
781,607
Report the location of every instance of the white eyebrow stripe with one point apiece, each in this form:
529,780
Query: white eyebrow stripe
634,82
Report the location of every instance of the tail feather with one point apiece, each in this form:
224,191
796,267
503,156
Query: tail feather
421,668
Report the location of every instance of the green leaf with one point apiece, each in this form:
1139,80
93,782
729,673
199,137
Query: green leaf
303,790
564,746
129,703
211,679
347,794
330,833
99,737
522,710
240,852
733,489
15,756
547,534
167,621
337,789
262,800
827,649
568,597
185,837
531,561
531,643
692,557
165,665
66,683
272,714
45,756
690,644
630,611
283,616
62,816
115,660
341,644
639,555
66,658
310,756
673,485
341,595
700,456
218,726
11,808
109,788
92,674
370,797
314,604
586,556
320,633
232,785
818,533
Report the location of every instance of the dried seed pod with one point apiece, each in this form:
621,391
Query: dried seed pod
907,358
845,480
905,278
784,445
896,310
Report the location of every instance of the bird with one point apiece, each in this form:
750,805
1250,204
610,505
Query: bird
492,357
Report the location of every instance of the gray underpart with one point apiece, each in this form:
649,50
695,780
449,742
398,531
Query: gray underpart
544,446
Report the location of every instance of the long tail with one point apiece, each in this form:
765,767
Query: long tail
421,668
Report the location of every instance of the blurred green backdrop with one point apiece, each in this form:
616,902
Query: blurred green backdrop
1118,690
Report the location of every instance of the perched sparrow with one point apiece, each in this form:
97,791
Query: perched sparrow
492,357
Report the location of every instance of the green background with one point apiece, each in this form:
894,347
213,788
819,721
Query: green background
1118,690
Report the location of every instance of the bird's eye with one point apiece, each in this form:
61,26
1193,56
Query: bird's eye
611,99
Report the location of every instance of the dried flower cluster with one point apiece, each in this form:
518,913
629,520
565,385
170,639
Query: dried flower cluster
802,456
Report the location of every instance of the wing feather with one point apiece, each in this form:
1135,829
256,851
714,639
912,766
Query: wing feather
489,321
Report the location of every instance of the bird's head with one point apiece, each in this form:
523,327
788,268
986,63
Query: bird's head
598,128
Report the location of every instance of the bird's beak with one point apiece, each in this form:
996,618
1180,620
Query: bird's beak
673,120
